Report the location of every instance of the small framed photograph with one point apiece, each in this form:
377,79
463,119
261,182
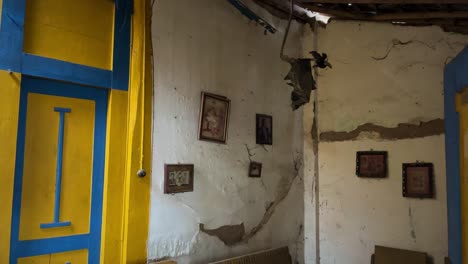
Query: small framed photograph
255,170
418,180
264,129
178,178
214,115
371,164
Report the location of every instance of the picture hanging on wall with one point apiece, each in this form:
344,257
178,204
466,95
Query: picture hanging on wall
255,170
264,129
418,180
214,115
178,178
371,164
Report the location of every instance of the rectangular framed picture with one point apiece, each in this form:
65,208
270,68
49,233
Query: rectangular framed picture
214,115
371,164
178,178
255,170
264,129
418,180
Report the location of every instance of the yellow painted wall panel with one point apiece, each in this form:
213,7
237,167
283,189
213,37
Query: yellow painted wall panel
139,137
42,259
74,257
114,185
1,6
75,31
9,105
77,256
40,159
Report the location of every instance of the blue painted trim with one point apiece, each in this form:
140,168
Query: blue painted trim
54,245
58,171
65,71
12,57
51,245
56,223
15,249
246,11
122,28
11,34
455,79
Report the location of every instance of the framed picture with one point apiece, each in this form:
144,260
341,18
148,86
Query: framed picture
255,169
178,178
264,129
214,115
371,164
418,180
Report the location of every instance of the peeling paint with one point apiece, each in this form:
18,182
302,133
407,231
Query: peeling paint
230,234
402,131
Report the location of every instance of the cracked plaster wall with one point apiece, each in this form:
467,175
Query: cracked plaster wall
207,45
383,75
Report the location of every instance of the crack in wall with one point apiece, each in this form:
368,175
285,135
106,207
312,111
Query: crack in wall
249,152
402,131
235,234
396,42
412,227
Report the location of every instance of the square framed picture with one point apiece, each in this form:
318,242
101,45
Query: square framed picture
418,180
214,115
255,170
371,164
264,129
178,178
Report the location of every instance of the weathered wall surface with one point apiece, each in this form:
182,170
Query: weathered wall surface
385,92
209,46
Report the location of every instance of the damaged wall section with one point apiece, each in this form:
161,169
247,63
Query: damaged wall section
392,103
208,45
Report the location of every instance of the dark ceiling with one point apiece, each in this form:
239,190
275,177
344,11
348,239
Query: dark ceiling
451,15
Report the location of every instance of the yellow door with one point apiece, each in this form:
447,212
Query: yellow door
462,108
57,203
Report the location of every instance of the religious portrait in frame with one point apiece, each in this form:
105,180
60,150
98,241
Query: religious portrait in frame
371,164
178,178
264,129
214,115
418,180
255,169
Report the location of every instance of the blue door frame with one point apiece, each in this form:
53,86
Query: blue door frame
455,79
91,241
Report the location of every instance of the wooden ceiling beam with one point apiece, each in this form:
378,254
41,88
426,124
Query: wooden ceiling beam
334,12
400,16
392,2
420,15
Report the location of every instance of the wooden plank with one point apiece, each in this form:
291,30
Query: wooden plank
387,17
419,15
392,2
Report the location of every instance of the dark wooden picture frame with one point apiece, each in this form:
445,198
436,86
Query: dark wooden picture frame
178,178
418,180
371,164
214,118
264,129
255,170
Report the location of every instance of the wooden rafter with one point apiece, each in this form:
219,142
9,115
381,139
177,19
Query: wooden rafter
392,2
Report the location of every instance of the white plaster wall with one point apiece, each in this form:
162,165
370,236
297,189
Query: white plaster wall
207,45
407,87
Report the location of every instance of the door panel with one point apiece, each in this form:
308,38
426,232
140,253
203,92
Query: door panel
72,257
462,108
40,165
59,173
